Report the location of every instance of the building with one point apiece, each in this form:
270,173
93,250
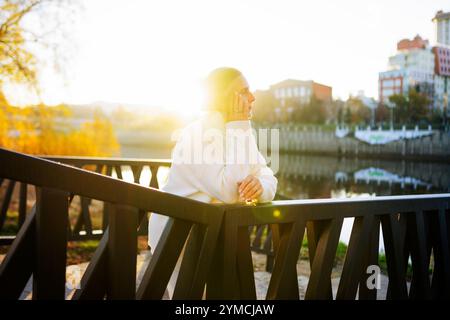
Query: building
442,28
371,103
442,78
291,90
417,65
412,67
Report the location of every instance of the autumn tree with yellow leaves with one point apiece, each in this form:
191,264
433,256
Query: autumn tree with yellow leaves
42,129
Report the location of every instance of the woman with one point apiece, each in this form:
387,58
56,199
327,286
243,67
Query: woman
202,169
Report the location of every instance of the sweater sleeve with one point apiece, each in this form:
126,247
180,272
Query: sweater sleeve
220,180
268,181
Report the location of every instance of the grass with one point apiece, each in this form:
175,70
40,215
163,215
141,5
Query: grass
10,227
340,252
80,251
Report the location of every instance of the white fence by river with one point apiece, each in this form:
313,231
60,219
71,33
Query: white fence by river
317,140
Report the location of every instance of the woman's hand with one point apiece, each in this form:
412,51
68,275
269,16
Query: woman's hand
250,188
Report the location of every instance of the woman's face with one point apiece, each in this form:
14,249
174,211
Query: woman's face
241,88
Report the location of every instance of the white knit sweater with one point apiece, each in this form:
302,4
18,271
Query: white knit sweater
213,178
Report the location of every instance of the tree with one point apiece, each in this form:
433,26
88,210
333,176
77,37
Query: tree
401,108
31,31
418,104
18,64
411,108
46,130
313,112
25,27
382,113
360,113
347,115
340,116
335,112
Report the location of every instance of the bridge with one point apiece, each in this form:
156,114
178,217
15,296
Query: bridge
215,241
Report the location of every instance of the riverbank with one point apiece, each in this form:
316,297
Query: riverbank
320,141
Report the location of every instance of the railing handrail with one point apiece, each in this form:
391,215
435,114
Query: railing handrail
84,160
286,211
77,160
50,174
334,201
37,171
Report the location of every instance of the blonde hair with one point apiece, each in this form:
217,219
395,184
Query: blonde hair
218,88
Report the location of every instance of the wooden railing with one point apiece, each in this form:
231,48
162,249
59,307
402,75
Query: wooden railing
39,249
83,228
217,240
414,228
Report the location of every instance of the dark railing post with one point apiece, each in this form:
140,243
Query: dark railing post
122,251
16,269
441,276
245,266
284,284
319,284
136,173
370,258
275,232
154,179
106,205
164,259
417,238
394,257
197,259
6,202
314,231
49,276
118,170
93,284
189,262
227,282
142,217
354,259
22,203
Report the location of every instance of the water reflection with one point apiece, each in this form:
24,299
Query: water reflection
379,175
312,177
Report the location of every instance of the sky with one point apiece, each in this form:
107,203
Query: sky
157,52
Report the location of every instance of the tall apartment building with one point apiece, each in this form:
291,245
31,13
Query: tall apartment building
442,78
442,28
422,67
411,67
442,60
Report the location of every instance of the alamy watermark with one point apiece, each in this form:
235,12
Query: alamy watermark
232,146
374,279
